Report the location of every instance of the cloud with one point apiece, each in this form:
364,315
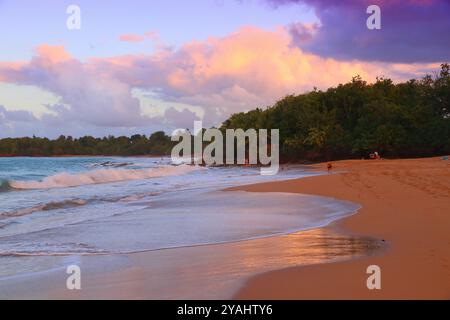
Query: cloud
412,30
94,98
249,68
7,116
16,122
183,119
52,54
150,35
131,38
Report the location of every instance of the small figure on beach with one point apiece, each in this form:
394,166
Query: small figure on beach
375,156
329,167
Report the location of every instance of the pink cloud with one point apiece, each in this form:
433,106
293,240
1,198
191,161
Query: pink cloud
54,54
93,96
151,35
246,69
249,68
131,38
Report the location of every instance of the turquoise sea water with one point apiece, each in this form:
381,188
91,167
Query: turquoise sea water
103,205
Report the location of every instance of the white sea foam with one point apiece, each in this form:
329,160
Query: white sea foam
44,207
65,179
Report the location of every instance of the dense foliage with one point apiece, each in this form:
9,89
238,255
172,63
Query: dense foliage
409,119
157,144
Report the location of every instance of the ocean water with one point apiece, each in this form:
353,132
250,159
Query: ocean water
66,207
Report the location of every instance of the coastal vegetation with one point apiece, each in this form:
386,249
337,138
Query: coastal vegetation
156,144
409,119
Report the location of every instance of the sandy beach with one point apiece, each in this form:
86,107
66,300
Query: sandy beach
403,227
405,203
178,236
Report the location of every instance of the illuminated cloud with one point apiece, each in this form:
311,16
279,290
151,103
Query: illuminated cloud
247,69
93,97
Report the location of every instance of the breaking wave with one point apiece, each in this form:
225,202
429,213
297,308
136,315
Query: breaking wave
48,249
70,203
44,207
64,179
4,186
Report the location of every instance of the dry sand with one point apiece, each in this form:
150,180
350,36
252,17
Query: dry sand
405,202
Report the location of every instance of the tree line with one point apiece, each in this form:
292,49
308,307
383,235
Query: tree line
352,120
157,143
409,119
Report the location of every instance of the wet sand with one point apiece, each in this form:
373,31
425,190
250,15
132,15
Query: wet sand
199,272
214,271
404,202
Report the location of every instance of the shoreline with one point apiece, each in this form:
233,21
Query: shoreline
404,202
180,272
85,156
228,266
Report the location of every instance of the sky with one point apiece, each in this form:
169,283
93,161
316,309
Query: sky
139,66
